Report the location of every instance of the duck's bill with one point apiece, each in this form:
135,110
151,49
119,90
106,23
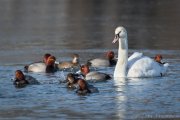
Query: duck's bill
13,79
78,72
56,62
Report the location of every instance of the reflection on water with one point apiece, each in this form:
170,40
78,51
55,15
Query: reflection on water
80,24
35,27
145,98
121,98
28,29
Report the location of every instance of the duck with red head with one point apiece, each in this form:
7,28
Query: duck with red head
93,76
69,64
84,88
158,58
45,58
71,80
103,62
110,55
22,80
48,66
37,66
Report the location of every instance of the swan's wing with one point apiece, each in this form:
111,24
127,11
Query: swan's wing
133,58
146,67
135,55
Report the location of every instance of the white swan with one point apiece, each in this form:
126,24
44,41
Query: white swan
137,65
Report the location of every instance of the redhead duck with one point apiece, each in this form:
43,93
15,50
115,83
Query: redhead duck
71,80
69,64
22,80
95,76
84,88
158,58
110,55
45,58
100,62
37,66
48,66
75,82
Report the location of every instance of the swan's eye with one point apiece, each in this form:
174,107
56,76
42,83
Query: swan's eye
117,36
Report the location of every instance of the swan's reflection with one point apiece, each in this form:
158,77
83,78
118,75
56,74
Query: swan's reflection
121,98
134,97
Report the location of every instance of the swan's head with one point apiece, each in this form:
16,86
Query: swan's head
120,32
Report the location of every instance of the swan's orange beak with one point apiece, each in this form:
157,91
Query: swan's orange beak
116,38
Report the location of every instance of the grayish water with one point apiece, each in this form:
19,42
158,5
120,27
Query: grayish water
28,29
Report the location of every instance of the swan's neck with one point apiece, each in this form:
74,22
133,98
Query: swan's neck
120,69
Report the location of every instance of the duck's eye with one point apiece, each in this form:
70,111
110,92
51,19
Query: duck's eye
82,68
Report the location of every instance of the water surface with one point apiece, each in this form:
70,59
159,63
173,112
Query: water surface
28,29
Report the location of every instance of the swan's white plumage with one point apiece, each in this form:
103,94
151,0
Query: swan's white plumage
136,65
134,57
145,67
